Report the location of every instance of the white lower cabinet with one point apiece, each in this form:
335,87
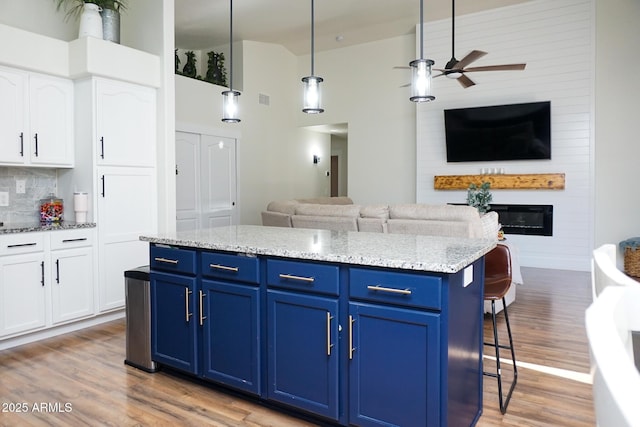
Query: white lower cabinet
46,279
72,275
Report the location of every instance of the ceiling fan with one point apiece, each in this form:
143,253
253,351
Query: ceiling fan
455,69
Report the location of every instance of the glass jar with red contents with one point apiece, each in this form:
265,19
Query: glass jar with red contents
51,209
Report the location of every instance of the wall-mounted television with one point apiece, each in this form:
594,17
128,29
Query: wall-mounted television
499,132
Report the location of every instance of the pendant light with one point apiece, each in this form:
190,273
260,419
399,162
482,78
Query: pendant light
421,70
312,102
230,97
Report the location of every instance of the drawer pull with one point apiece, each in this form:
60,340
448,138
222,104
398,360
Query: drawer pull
20,245
390,290
224,267
80,239
168,261
300,278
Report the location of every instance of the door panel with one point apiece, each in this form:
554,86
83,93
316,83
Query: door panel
187,180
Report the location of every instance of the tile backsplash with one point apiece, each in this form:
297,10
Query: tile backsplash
39,184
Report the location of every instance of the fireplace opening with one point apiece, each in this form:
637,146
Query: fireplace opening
533,220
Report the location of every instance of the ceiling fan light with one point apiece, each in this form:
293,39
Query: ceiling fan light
454,75
421,80
312,102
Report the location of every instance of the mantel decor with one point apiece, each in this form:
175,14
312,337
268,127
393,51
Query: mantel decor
539,181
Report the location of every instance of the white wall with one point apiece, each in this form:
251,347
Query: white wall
555,39
362,89
617,147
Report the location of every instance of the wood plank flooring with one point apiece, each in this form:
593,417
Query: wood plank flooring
80,379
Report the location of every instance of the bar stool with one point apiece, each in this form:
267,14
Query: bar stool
497,280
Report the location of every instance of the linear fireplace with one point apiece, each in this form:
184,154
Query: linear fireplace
534,220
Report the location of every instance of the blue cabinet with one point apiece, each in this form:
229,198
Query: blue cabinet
303,351
394,370
231,340
173,324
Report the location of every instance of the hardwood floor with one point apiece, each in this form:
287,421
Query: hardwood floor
80,378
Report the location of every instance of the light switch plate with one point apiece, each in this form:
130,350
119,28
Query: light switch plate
4,198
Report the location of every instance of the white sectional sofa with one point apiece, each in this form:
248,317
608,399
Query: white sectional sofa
339,213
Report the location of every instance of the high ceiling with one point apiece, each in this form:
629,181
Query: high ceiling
201,24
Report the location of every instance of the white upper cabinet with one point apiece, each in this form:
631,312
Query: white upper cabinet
125,124
36,119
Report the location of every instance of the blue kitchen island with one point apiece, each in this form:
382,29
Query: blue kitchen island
348,328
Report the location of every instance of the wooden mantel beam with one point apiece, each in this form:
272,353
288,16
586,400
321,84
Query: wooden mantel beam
535,181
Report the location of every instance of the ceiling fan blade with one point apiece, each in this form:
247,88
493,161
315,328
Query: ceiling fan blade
474,55
407,85
504,67
438,75
465,81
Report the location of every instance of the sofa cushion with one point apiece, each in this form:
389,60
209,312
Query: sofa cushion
325,222
276,219
375,211
372,225
490,225
351,211
434,212
284,206
432,228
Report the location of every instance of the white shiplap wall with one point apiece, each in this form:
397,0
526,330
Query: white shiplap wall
556,40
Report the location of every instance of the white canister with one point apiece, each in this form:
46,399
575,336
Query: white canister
90,21
80,205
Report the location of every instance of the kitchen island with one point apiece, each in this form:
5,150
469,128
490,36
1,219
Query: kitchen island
351,328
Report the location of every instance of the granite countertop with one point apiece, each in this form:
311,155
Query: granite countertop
26,227
402,251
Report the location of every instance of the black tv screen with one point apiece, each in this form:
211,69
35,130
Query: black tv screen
499,132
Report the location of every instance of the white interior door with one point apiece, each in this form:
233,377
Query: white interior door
218,181
187,181
205,181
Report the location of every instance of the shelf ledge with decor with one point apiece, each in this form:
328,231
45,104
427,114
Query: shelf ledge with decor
536,181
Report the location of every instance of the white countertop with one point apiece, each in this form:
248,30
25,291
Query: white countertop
401,251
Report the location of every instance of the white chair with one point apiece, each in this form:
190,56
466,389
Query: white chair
616,380
604,271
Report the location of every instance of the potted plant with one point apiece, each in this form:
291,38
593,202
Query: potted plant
110,14
479,197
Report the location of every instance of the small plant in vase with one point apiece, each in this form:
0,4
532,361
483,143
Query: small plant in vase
479,197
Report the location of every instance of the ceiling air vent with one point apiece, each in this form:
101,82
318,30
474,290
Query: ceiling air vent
263,99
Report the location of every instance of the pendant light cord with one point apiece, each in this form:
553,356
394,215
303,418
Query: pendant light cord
453,27
312,36
421,29
230,44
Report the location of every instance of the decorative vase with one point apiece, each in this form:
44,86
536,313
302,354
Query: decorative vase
111,25
90,21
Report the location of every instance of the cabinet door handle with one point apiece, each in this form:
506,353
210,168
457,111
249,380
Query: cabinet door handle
351,347
102,179
202,316
35,137
57,271
329,345
102,147
21,144
300,278
166,260
187,293
389,290
20,245
224,267
42,273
